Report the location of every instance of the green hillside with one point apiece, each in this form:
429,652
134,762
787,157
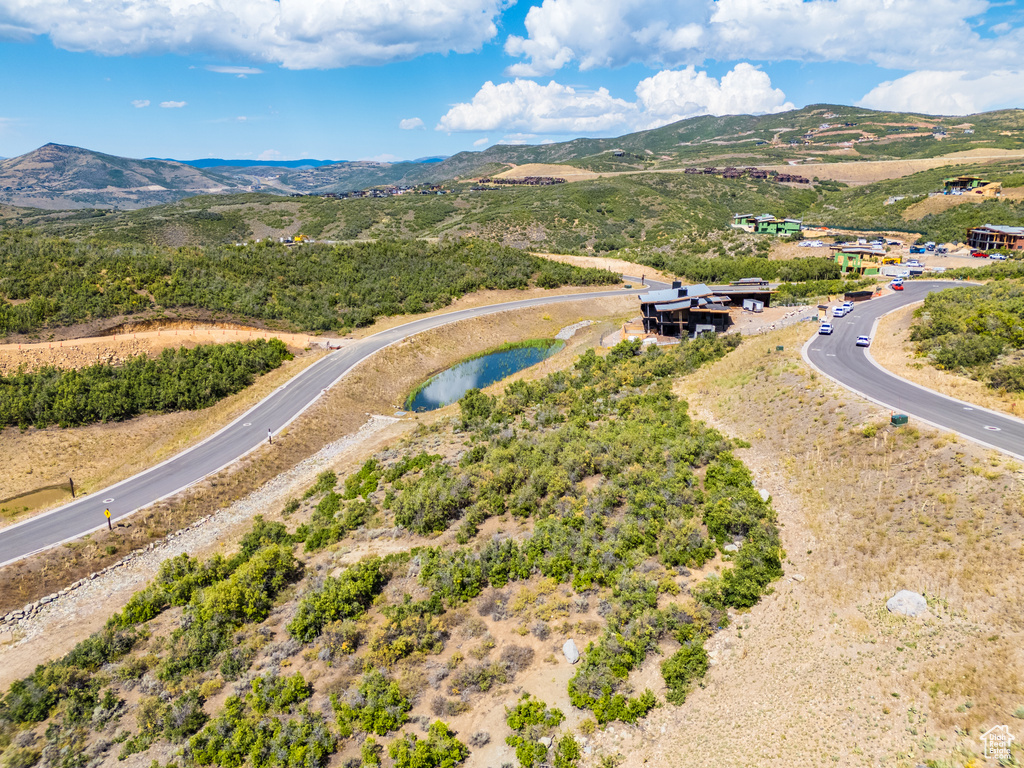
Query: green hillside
47,283
602,214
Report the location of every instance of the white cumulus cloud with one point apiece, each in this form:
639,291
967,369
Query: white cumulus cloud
173,104
898,34
526,107
140,103
673,95
947,93
298,34
410,124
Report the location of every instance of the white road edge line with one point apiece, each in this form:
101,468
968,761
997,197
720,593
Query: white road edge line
465,315
940,427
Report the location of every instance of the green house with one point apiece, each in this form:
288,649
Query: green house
769,225
861,261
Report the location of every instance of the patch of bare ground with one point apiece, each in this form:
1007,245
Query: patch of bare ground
618,266
819,672
377,385
892,348
546,169
939,203
869,171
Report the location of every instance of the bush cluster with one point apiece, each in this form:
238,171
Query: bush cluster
178,380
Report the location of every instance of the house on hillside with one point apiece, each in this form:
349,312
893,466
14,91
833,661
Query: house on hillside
963,183
994,236
769,225
692,309
863,260
766,224
684,311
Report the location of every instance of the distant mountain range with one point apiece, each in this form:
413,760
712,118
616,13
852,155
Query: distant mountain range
60,177
216,162
57,176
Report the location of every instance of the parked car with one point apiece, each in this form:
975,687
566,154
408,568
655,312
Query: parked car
998,257
979,254
914,263
825,329
863,341
942,250
903,273
929,246
838,311
917,249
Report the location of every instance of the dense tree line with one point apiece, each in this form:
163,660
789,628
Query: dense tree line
178,380
49,282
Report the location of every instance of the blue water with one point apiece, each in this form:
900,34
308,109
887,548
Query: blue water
449,386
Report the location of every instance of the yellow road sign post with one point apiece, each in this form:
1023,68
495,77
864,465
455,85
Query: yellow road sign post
109,524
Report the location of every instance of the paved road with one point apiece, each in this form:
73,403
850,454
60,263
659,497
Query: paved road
240,437
838,357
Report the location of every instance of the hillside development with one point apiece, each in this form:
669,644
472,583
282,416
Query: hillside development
631,554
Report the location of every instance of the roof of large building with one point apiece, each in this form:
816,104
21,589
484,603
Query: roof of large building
1002,229
675,294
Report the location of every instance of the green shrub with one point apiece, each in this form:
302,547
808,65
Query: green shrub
439,750
345,597
376,706
680,670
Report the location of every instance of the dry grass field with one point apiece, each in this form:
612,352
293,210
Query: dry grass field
869,171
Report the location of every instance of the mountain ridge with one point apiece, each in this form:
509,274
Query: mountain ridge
59,176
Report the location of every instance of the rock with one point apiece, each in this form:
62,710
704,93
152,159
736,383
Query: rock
764,494
731,548
799,577
907,603
546,741
571,654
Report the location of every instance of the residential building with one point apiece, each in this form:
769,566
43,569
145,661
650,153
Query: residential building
864,260
994,236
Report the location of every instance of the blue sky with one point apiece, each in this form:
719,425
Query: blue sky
364,79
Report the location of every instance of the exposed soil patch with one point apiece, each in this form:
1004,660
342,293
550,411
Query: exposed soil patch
869,171
545,169
618,266
939,203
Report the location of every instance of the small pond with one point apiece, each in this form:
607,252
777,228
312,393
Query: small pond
449,386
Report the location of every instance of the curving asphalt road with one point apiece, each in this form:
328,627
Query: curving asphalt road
838,357
235,440
835,356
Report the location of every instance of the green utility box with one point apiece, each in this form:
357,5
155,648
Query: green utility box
898,419
779,348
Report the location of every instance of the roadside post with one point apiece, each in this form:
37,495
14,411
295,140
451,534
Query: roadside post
109,524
